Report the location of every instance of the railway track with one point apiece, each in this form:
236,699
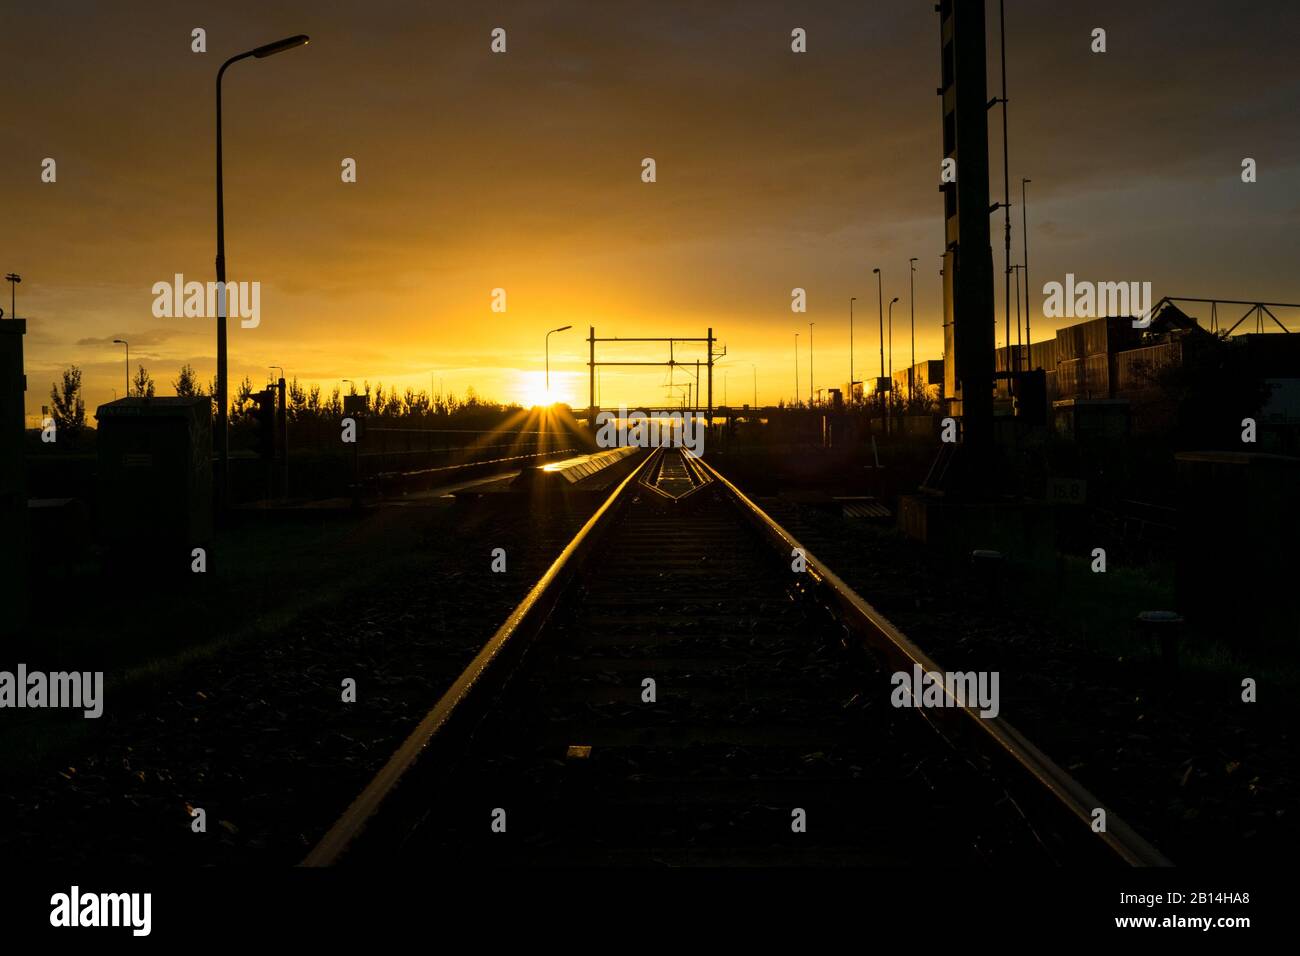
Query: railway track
674,692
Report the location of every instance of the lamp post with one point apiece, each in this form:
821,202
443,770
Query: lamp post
13,279
1024,234
891,341
852,299
911,374
755,368
796,368
128,363
880,294
563,328
810,365
880,300
223,433
1019,350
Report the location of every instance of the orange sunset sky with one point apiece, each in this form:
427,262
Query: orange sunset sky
522,171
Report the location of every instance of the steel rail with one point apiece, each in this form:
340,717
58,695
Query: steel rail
1000,738
522,624
1065,796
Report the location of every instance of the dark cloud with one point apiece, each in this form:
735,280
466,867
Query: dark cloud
477,171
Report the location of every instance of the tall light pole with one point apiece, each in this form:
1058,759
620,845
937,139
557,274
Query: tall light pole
810,365
128,363
911,374
1006,170
1016,269
852,299
13,279
223,432
563,328
891,340
796,368
755,368
880,295
880,300
1024,234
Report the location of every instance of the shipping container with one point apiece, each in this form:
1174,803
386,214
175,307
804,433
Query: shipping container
1097,376
1069,343
1134,367
1108,335
1043,355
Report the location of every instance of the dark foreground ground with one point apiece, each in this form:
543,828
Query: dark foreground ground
1204,776
244,717
226,696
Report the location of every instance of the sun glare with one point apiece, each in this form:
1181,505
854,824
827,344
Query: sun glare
532,390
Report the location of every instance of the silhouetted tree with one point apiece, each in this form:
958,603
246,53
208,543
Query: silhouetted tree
68,405
242,401
142,385
187,383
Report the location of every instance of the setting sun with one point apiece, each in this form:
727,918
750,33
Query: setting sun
531,391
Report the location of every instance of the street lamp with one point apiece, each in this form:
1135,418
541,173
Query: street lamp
911,374
796,368
128,363
755,368
891,342
223,434
852,299
880,294
13,279
880,300
1024,233
810,364
563,328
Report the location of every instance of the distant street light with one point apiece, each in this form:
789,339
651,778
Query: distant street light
796,368
891,339
128,363
755,368
852,299
810,364
880,297
13,279
911,374
880,294
223,433
1024,233
563,328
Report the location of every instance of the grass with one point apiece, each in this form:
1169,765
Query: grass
143,628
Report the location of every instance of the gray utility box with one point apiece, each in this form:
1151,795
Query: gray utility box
155,475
